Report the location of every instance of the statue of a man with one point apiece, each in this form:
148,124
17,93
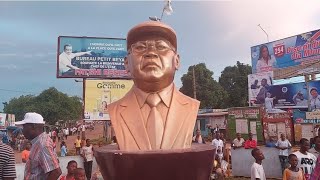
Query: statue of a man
153,114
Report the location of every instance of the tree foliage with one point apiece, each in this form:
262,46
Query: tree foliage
234,79
208,91
51,104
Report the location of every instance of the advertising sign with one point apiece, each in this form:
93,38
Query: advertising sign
3,117
257,84
299,117
10,120
90,57
300,51
100,93
314,87
289,95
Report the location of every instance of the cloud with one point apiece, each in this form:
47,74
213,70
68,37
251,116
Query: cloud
9,67
7,43
7,54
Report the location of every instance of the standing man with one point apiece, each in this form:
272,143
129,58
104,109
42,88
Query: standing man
87,154
7,163
238,142
306,160
43,161
77,145
65,66
257,171
250,143
284,145
316,149
218,143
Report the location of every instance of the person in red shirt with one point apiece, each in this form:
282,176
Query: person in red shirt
250,143
72,165
25,153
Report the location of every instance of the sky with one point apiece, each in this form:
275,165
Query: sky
217,33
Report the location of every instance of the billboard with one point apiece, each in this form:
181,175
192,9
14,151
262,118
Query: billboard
288,57
314,87
100,93
11,119
3,117
289,95
299,117
91,57
257,85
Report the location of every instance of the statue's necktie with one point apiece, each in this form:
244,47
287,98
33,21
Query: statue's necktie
154,123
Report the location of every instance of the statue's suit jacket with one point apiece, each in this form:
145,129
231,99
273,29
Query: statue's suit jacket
129,127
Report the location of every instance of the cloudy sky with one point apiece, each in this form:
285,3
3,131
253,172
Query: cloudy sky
218,33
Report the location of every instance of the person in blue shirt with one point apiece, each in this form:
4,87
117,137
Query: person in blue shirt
63,149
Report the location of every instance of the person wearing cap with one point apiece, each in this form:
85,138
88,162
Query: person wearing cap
153,114
315,99
43,161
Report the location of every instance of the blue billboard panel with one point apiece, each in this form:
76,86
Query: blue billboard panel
91,57
285,53
289,95
314,88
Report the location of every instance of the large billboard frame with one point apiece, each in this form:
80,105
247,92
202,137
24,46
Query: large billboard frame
289,66
87,76
85,93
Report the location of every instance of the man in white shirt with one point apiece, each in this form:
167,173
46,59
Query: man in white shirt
284,145
316,149
306,160
238,142
218,143
65,66
315,99
257,171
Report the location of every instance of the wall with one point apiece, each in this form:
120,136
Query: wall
63,165
242,161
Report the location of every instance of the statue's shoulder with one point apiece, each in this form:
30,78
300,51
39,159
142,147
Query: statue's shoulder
186,99
123,101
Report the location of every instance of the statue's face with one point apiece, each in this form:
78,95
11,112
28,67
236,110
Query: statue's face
152,60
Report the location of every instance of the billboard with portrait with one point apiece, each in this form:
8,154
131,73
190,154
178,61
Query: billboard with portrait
100,93
314,87
3,117
257,85
91,57
289,95
288,57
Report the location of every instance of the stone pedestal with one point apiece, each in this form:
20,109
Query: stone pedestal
194,163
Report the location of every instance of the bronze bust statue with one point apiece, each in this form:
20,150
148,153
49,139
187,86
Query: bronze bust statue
153,114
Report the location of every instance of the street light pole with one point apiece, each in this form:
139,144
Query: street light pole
264,32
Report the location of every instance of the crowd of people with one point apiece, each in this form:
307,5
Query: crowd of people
303,164
39,152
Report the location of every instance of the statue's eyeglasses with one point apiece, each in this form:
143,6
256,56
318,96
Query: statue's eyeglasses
160,46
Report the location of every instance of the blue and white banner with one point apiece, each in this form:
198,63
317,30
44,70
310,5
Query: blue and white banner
91,57
293,51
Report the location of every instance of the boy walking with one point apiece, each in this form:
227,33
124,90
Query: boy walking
257,171
284,145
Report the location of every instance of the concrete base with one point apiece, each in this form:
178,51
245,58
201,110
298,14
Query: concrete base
177,164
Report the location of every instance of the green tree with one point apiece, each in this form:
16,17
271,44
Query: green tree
234,80
208,91
51,104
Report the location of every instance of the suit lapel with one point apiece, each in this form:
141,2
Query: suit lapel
132,116
177,114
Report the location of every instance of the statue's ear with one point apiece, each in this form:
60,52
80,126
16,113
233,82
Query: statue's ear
126,64
177,61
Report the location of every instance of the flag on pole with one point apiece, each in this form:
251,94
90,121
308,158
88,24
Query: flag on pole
167,7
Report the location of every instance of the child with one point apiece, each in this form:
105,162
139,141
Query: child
79,174
257,171
293,172
64,150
